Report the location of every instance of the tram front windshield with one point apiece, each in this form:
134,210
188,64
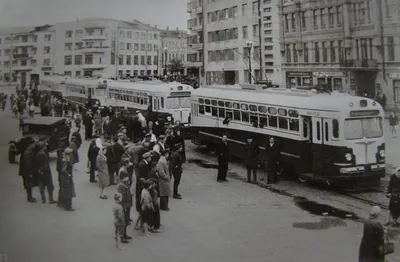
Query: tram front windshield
178,102
363,127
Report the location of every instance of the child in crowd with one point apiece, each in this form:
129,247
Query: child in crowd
147,206
119,220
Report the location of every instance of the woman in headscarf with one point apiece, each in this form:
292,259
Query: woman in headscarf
394,195
103,177
372,242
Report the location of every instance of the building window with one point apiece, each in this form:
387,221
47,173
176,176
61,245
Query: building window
67,73
387,9
371,54
46,62
315,19
316,53
294,22
47,37
295,58
129,60
33,51
333,52
33,62
390,48
136,60
396,87
68,34
288,54
330,17
149,60
355,17
304,21
255,31
339,15
142,60
341,50
245,33
78,73
78,33
255,7
129,34
68,46
324,52
155,47
120,59
78,45
244,7
364,49
155,61
362,13
136,47
305,52
369,11
322,17
128,46
67,60
143,47
89,59
121,46
121,34
286,23
357,50
78,60
149,47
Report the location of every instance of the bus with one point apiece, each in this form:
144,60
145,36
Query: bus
169,102
325,136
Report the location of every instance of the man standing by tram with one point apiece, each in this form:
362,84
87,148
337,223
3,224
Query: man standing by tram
223,159
272,161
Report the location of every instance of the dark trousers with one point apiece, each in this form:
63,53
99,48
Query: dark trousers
222,170
112,172
67,202
50,188
88,131
92,177
127,214
177,181
251,169
156,217
28,193
164,201
272,174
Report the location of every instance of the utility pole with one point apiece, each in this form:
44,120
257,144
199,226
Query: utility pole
145,54
203,70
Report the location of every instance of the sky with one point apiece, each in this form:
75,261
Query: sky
162,13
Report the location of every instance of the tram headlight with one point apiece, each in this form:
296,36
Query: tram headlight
382,153
169,118
348,157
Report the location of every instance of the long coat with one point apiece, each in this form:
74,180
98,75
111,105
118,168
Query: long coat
67,182
75,154
43,168
251,152
164,177
273,156
102,170
372,241
394,189
27,168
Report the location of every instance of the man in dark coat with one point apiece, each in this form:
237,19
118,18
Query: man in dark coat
78,138
44,173
126,202
67,182
27,168
137,129
223,159
60,155
92,154
142,174
114,156
176,169
251,152
371,247
273,156
88,123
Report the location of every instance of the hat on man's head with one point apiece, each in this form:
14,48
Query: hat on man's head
120,134
148,135
68,150
146,155
161,137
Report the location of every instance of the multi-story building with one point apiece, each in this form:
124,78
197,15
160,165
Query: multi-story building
26,53
195,43
107,47
350,46
173,46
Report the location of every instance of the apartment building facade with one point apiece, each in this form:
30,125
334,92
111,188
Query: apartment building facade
26,53
106,47
350,46
173,46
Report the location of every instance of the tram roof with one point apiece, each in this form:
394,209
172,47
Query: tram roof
87,81
53,79
305,99
150,86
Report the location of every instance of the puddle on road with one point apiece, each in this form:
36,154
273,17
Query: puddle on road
323,210
323,224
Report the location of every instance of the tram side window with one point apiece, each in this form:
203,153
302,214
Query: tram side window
326,131
263,121
294,125
245,117
162,102
254,119
214,111
305,128
318,131
201,109
335,128
273,121
283,123
229,114
236,115
208,109
221,112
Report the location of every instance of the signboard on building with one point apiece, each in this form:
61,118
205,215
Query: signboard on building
394,75
298,79
328,74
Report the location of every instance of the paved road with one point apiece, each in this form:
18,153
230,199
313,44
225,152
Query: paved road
214,222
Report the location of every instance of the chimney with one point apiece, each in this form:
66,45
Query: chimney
167,28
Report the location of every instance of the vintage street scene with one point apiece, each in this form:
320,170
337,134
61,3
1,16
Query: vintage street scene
200,130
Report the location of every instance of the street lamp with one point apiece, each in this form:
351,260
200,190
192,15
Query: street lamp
165,60
249,44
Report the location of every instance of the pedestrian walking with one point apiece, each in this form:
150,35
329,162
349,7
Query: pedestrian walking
102,169
67,183
119,220
394,195
164,180
44,173
273,157
251,152
176,170
126,202
223,159
393,122
372,242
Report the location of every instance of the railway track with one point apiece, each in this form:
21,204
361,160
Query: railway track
359,197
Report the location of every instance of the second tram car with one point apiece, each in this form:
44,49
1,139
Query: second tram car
332,137
78,91
53,85
169,102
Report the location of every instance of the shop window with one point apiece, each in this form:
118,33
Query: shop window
272,110
273,121
283,123
294,125
245,117
262,109
335,128
221,112
236,115
282,112
253,108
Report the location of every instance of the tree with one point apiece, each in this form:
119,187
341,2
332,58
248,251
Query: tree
175,66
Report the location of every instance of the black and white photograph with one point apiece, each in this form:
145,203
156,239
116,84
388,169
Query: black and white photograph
199,130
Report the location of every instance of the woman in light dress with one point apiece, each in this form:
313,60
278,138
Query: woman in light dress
103,177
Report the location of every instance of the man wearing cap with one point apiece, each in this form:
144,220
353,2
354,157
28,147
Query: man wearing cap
176,169
143,173
160,145
88,122
44,173
27,169
67,182
223,159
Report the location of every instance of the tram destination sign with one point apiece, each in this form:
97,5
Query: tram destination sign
364,113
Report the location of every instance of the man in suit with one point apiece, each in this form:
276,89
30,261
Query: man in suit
273,155
223,159
251,152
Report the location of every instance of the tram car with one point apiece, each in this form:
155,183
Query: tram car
331,137
158,101
53,85
81,90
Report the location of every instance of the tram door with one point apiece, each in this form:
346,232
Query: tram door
318,146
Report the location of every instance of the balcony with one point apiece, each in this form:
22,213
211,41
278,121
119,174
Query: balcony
95,49
23,44
22,67
21,56
193,64
198,10
94,37
363,64
196,46
93,66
